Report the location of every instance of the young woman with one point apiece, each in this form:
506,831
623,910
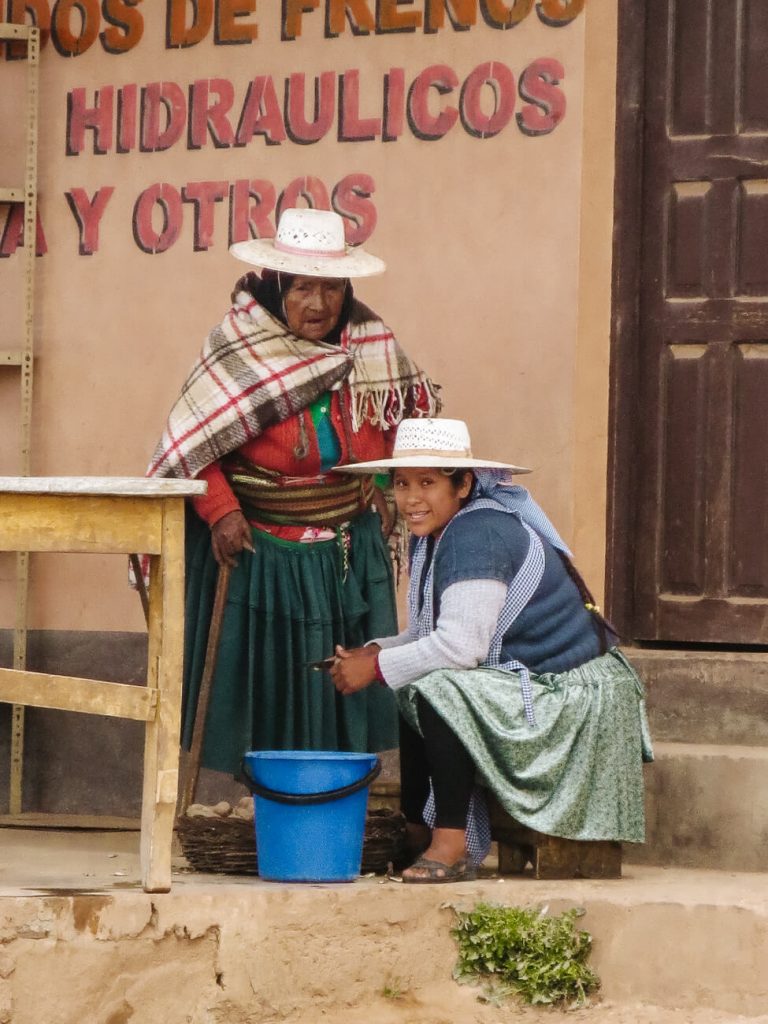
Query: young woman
506,674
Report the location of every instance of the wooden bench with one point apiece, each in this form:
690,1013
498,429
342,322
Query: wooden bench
550,856
116,515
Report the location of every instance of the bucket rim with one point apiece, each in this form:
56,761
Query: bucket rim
303,797
307,755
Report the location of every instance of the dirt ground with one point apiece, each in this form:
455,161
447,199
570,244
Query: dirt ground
458,1004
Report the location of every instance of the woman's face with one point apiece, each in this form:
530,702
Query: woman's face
313,305
427,499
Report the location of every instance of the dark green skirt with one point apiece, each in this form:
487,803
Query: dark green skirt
288,604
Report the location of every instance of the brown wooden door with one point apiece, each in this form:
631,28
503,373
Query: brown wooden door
700,483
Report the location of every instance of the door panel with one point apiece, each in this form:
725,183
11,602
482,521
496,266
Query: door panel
701,528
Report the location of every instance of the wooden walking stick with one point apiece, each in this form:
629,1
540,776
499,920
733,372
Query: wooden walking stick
141,586
191,768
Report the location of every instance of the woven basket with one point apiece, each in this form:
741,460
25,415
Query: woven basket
383,841
228,845
222,845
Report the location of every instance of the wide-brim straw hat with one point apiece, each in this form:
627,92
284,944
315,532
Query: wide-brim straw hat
309,242
427,443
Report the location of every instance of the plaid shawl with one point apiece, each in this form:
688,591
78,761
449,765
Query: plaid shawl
253,372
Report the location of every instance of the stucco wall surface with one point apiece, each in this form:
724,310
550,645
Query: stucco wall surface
456,151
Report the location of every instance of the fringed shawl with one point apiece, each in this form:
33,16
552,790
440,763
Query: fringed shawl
253,372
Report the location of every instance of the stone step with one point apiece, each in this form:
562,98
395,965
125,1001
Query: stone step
705,696
706,807
225,948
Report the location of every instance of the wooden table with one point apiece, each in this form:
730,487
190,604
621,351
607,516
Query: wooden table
116,515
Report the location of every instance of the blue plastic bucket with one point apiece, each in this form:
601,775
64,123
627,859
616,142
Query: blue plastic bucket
310,810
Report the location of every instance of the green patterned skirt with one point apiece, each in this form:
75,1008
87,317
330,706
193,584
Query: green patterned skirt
578,772
288,604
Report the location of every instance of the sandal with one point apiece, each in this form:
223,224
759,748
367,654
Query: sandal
436,872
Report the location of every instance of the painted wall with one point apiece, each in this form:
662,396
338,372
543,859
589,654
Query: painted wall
467,142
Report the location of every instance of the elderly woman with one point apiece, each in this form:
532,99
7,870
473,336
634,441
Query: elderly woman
506,673
299,377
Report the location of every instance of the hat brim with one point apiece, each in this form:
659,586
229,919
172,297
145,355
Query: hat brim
429,462
261,252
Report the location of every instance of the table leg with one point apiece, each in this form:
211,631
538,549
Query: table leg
161,746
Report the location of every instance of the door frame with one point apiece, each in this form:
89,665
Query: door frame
623,406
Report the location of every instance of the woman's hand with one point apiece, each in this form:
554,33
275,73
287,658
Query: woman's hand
229,536
354,669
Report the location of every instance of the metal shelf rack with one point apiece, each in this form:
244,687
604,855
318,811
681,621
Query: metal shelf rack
21,357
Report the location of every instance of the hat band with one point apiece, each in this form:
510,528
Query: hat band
440,453
295,250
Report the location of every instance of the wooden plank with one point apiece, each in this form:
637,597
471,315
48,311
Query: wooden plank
10,357
161,747
112,486
12,195
42,522
150,873
89,822
71,693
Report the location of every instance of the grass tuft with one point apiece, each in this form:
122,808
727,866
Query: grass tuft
393,989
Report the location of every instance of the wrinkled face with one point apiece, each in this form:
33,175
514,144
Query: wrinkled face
313,305
427,499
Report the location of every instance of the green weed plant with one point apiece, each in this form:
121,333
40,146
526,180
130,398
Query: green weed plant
393,989
524,952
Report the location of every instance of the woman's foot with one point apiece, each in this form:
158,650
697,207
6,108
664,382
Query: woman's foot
445,859
424,871
417,838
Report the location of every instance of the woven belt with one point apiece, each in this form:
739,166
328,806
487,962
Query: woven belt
328,501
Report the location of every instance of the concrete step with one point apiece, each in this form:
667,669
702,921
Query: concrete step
237,949
705,696
706,807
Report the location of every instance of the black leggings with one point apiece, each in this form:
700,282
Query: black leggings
441,756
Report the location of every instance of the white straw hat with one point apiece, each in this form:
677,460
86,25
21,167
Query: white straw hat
309,242
424,443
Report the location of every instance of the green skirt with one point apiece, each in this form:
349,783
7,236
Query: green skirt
578,772
288,604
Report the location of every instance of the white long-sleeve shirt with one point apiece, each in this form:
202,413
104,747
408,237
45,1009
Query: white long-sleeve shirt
469,613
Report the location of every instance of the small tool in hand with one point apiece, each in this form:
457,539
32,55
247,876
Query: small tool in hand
321,666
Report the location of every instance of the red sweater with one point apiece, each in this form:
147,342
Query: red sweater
274,450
